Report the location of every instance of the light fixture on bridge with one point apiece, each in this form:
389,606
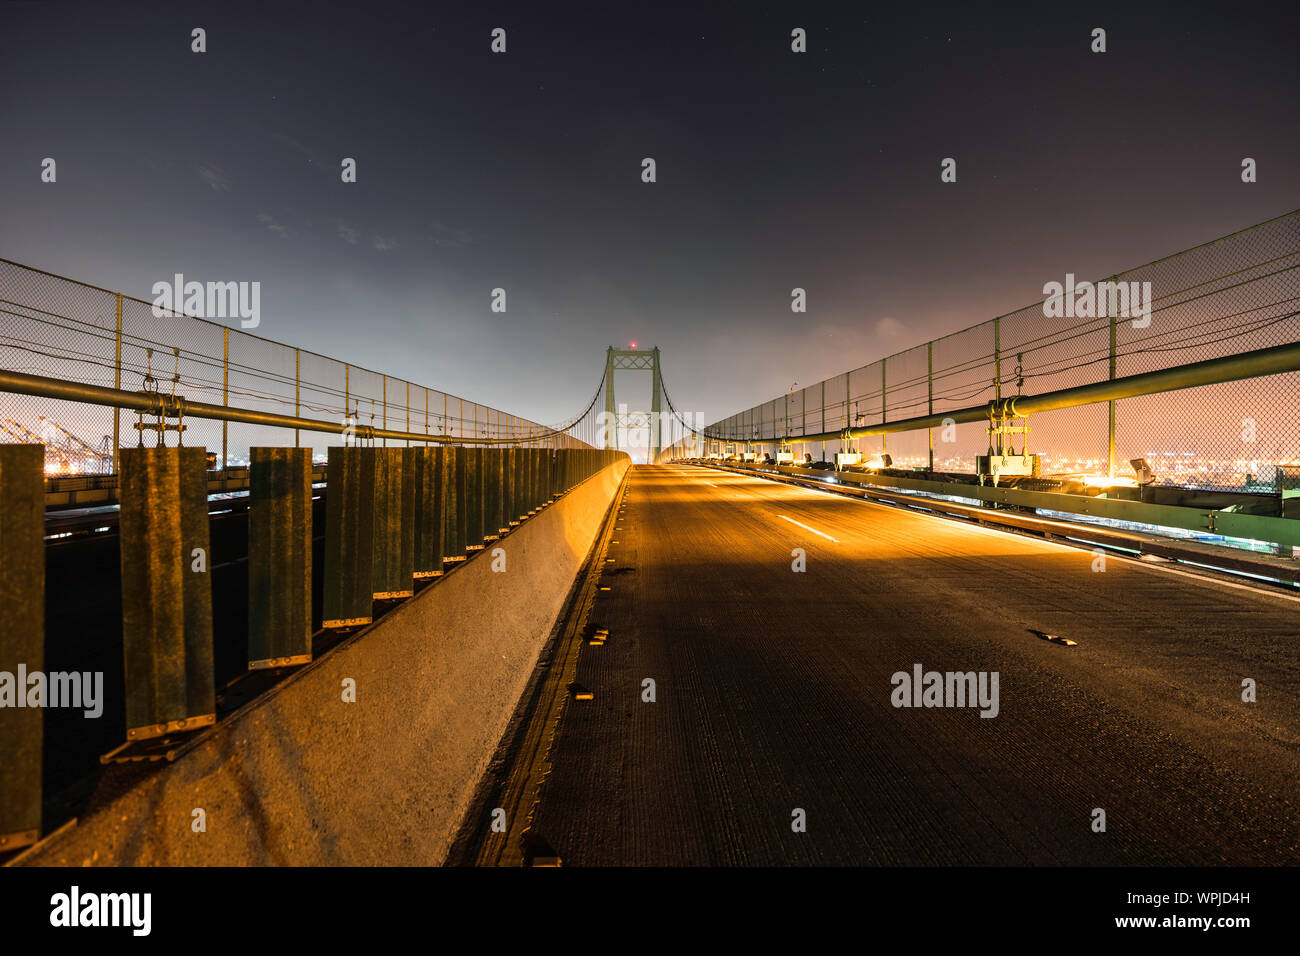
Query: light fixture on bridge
1145,475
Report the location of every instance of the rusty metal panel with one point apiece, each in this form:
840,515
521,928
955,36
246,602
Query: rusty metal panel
430,504
523,491
22,640
527,481
543,462
539,474
494,519
349,537
454,526
474,523
510,458
393,571
279,557
166,591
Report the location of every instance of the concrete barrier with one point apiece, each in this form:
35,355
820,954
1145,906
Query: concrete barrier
302,777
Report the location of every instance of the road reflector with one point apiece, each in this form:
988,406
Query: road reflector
1043,635
580,693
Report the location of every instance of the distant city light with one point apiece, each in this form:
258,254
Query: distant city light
633,345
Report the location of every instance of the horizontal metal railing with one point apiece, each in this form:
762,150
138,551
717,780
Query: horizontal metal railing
164,406
1232,368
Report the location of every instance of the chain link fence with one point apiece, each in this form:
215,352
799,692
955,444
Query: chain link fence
64,329
1235,294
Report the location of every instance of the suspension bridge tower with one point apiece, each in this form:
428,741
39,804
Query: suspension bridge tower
641,360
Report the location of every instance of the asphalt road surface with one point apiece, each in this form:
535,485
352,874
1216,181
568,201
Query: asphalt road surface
773,693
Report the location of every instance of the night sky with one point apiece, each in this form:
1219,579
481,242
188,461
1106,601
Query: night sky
523,171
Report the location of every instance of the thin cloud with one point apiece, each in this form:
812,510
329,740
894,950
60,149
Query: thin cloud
384,243
349,235
269,221
888,328
216,178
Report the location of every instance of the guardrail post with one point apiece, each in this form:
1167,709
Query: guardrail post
493,517
526,482
545,486
430,503
394,538
348,597
474,523
528,496
507,488
547,478
551,479
22,640
279,557
546,475
166,591
510,486
455,527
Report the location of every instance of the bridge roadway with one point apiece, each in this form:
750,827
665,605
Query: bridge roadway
773,692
